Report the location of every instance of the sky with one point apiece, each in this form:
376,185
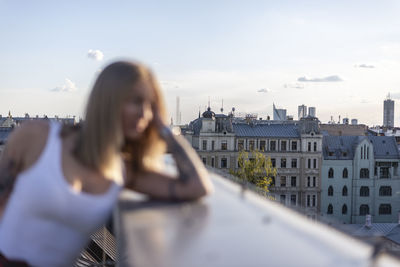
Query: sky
342,57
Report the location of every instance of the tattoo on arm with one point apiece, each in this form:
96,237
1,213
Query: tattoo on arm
8,174
186,160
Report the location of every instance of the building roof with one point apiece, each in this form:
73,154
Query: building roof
266,130
343,147
394,234
385,147
339,147
376,229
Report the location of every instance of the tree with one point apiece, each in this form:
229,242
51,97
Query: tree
257,169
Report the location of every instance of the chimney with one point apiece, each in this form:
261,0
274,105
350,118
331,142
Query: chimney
368,221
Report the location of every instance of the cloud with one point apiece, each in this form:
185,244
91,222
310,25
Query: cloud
95,54
333,78
68,86
365,66
294,85
263,90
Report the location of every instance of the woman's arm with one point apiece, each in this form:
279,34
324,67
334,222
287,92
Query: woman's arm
23,147
10,165
192,181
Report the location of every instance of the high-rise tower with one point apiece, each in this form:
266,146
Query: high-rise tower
302,112
388,112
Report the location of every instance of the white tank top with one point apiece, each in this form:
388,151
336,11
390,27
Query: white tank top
46,222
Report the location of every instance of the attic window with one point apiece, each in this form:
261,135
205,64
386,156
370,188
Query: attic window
344,154
387,152
330,153
383,141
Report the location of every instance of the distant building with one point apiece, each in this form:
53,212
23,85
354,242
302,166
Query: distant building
7,124
344,129
354,122
302,112
388,112
279,114
360,176
312,112
293,146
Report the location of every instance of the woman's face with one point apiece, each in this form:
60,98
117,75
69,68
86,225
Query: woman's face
137,111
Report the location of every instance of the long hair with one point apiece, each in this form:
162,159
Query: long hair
101,138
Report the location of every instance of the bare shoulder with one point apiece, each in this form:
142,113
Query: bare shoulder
27,141
29,132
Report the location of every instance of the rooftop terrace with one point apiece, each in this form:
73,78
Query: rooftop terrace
232,227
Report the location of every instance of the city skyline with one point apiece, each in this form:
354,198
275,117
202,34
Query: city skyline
339,57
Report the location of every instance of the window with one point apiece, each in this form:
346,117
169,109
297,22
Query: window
330,191
272,145
309,163
315,146
308,200
309,146
308,181
205,161
212,162
224,145
283,162
344,209
344,191
204,144
364,173
345,173
294,163
240,145
224,163
262,145
385,191
314,179
364,191
273,181
367,152
364,209
273,162
315,163
251,145
293,199
283,145
330,209
384,172
361,156
283,199
294,145
385,209
283,181
212,145
313,200
330,173
293,182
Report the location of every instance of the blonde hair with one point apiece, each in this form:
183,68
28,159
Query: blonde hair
101,138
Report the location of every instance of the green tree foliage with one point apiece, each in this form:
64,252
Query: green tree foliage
256,169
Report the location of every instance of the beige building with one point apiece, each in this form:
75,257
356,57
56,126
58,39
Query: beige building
294,148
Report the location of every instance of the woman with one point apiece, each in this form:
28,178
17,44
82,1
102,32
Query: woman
58,185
